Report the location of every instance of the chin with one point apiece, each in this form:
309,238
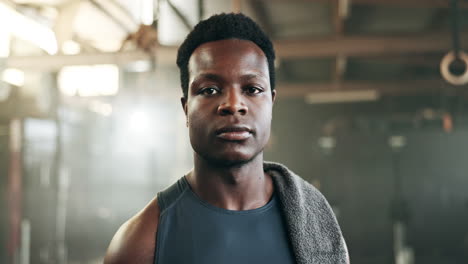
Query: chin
229,159
230,163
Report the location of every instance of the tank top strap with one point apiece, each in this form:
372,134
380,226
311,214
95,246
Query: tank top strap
171,194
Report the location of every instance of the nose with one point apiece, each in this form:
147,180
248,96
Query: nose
232,104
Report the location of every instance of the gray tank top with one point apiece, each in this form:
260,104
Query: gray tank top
191,231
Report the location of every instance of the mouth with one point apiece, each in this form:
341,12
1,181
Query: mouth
234,133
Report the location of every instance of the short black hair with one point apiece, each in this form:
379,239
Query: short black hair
219,27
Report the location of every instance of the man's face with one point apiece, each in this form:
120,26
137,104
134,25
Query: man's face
229,101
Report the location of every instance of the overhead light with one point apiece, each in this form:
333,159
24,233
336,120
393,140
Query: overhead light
97,80
397,142
13,76
138,66
342,96
327,142
27,29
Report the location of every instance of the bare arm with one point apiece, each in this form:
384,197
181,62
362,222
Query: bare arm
135,241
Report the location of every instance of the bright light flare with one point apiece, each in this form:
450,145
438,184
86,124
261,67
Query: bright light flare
13,76
28,29
97,80
147,14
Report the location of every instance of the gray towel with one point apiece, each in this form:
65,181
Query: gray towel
313,229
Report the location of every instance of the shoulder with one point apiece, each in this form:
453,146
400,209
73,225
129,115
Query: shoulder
307,213
295,192
135,240
285,178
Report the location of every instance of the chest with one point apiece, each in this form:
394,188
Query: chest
193,232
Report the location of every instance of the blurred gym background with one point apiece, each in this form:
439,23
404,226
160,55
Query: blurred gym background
91,126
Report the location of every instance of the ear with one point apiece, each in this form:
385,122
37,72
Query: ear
183,101
273,95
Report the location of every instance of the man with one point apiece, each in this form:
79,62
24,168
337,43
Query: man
232,207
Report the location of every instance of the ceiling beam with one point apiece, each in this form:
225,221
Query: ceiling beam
180,15
411,3
365,45
112,17
164,56
401,3
384,88
421,60
285,49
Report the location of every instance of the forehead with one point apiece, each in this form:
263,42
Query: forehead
229,56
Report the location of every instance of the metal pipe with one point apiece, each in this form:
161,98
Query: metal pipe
105,11
456,29
201,9
179,14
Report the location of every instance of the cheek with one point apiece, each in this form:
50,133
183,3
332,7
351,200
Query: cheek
264,123
198,118
192,111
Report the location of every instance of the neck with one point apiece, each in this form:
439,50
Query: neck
240,187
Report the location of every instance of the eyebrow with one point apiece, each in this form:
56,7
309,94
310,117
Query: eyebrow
209,76
252,76
217,78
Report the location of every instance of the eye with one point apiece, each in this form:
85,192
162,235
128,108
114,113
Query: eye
253,90
209,91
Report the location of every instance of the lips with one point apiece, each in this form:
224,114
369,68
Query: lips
234,133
